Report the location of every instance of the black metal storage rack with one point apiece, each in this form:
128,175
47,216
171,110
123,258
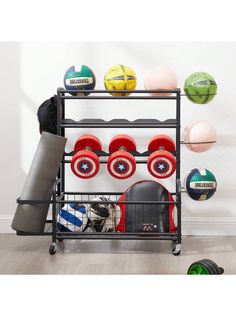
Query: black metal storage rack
61,197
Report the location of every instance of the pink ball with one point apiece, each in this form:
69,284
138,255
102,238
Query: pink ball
199,136
160,78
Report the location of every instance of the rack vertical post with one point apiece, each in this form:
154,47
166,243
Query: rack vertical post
177,249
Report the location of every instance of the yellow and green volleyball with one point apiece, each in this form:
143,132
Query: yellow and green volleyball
120,77
200,87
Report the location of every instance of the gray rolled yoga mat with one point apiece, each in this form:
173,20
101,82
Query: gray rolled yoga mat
38,184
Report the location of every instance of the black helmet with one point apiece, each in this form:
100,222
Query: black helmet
47,116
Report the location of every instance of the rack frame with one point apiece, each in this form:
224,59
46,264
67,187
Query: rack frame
58,192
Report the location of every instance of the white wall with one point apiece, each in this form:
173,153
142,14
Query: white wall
31,73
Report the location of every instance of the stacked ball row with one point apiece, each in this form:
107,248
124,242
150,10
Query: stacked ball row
199,87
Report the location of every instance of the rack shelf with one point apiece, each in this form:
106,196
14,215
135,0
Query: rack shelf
118,123
104,154
171,94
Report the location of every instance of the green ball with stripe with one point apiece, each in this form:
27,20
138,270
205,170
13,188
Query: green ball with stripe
79,78
200,87
200,184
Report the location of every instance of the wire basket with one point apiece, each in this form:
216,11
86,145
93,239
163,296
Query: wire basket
89,213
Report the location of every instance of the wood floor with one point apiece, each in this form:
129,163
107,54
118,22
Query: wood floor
29,255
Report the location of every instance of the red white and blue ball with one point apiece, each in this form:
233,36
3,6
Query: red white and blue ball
121,167
85,165
161,167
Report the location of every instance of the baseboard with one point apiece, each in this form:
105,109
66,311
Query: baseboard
209,225
5,224
191,225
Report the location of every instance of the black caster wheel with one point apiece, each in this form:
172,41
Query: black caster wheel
176,250
52,249
60,240
205,267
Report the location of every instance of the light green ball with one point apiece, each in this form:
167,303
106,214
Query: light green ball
200,87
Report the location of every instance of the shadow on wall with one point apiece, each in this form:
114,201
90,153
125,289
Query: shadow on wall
12,176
